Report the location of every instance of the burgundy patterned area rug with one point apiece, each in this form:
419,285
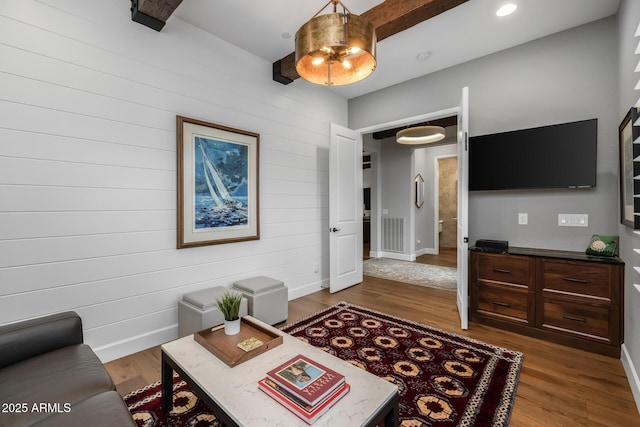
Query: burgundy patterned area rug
443,379
188,409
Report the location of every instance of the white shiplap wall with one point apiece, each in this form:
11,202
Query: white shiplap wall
88,101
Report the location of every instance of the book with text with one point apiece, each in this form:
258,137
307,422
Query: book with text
306,379
307,413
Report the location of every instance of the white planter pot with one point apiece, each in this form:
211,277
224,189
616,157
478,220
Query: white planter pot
232,327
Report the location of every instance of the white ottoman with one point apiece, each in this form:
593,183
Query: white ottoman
198,310
268,298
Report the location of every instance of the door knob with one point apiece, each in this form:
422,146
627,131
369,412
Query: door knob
333,229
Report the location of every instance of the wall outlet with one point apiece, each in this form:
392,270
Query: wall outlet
523,218
573,220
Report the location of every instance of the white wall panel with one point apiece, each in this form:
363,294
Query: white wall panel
66,174
293,172
58,249
177,280
63,199
88,168
276,216
51,147
274,186
29,225
279,158
139,325
43,120
63,98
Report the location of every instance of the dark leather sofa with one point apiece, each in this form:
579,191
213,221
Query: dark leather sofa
48,377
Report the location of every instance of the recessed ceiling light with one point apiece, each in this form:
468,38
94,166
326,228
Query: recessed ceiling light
507,9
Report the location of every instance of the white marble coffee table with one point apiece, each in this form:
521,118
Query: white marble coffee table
233,394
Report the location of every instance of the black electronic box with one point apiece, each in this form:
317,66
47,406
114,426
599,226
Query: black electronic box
495,246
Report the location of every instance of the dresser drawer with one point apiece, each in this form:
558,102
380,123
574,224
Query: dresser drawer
507,302
505,268
561,296
591,321
582,278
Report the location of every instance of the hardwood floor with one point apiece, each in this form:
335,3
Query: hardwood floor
447,257
559,386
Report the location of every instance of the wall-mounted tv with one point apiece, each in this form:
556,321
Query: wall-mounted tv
556,156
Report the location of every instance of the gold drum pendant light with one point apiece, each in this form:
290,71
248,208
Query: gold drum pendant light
336,49
420,135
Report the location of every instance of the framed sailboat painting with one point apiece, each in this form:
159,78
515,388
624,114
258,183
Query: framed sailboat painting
217,183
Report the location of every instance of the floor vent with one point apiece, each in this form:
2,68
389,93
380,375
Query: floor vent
392,234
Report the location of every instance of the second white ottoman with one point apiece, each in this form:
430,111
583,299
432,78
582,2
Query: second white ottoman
268,298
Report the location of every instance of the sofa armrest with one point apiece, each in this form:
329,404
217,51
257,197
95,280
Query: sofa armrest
25,339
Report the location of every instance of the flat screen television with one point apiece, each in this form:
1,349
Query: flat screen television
556,156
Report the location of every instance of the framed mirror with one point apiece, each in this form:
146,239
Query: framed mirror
419,190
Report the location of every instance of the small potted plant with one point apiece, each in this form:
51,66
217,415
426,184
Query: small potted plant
229,306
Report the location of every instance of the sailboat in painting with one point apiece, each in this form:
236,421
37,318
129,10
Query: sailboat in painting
215,207
217,189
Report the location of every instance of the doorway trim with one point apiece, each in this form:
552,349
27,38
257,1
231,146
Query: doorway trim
377,229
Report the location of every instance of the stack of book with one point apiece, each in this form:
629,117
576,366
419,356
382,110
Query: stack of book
305,387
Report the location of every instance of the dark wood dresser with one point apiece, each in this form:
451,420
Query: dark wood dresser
561,296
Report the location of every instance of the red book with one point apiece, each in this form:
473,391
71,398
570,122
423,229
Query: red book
306,379
300,409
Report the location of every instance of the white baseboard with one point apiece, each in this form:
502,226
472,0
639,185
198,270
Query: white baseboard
426,251
135,344
632,375
307,289
395,255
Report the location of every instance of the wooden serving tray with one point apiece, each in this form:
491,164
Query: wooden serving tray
225,347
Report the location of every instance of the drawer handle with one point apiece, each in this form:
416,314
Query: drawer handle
498,270
501,304
576,318
570,279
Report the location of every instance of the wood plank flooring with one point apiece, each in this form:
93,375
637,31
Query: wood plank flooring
559,386
447,257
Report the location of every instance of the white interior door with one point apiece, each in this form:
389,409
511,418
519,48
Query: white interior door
345,208
463,209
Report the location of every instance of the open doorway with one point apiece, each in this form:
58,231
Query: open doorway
391,171
427,250
461,112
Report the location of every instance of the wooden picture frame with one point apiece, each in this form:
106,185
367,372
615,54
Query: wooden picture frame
627,133
217,178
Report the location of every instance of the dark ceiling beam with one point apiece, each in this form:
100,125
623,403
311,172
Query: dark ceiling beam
388,18
153,13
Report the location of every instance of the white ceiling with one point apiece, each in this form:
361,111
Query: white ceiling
466,32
